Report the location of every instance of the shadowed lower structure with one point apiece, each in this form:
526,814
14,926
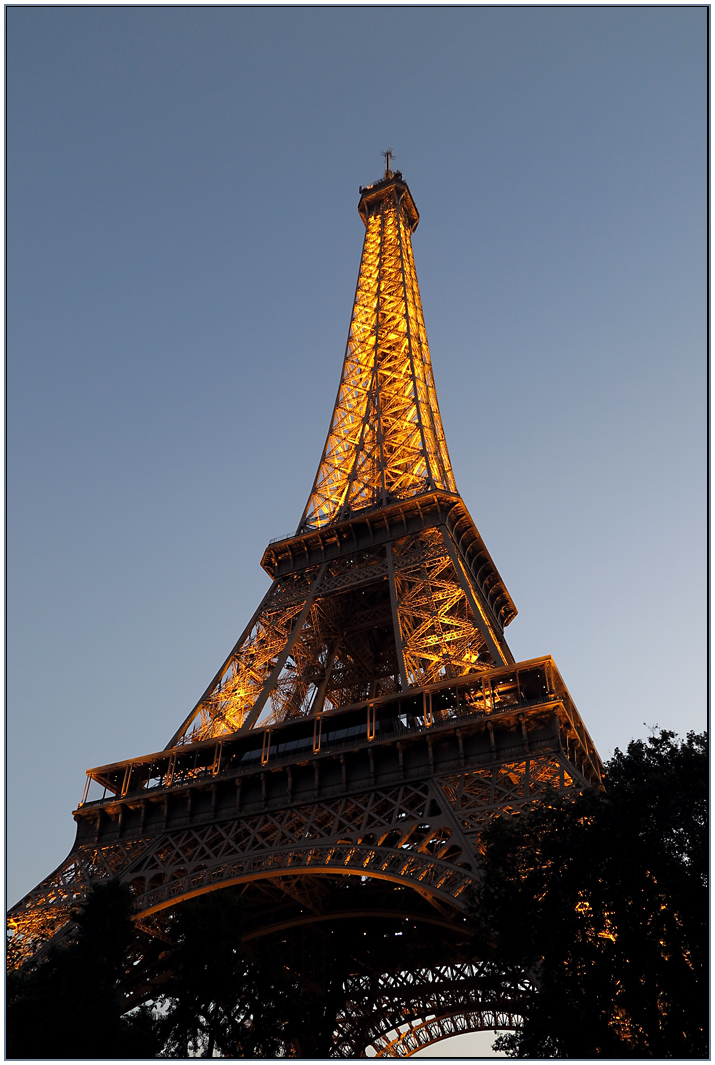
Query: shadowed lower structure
340,767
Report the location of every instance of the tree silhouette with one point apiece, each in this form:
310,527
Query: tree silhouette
71,1004
600,900
217,1000
603,901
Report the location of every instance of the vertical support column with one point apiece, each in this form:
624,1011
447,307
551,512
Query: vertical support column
427,714
395,618
415,386
375,378
236,647
319,699
317,734
272,679
492,741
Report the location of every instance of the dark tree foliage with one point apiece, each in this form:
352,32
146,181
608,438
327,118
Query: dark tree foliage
603,901
217,1001
71,1004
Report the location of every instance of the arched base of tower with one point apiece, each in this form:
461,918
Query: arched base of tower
420,1034
400,1012
385,974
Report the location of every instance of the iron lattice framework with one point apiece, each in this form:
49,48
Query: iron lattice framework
397,1014
367,725
386,440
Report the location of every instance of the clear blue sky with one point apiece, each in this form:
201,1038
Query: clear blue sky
183,244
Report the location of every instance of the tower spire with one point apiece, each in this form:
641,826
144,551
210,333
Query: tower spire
386,441
388,156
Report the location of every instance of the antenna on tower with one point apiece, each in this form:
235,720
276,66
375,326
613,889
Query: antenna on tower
388,156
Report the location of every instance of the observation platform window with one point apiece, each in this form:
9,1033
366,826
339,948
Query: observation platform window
250,756
301,743
474,697
506,692
336,735
533,685
388,723
154,778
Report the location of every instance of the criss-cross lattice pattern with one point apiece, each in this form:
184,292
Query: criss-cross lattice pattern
368,624
386,440
319,642
438,629
45,911
397,1013
420,834
481,795
243,677
412,1037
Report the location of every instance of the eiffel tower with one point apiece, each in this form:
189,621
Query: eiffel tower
369,722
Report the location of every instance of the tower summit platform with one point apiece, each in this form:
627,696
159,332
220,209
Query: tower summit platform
390,187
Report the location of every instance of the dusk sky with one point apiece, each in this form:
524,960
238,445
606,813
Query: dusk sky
183,244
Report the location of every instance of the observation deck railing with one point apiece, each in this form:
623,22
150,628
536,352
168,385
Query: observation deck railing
521,688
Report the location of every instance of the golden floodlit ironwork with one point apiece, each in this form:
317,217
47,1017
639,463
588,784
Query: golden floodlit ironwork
312,644
367,725
386,440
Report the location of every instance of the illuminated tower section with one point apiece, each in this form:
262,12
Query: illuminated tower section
366,726
386,440
387,584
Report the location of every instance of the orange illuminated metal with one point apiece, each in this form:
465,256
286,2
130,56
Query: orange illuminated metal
369,722
386,440
419,603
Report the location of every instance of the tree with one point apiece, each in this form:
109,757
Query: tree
217,1000
71,1004
602,900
